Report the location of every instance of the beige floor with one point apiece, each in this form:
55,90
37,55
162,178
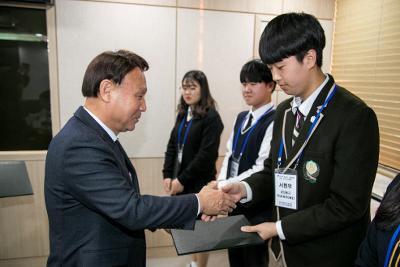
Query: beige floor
217,259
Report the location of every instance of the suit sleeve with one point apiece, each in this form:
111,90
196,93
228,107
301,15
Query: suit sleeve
204,159
93,177
355,160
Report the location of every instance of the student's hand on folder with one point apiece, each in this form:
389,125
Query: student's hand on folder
236,190
264,230
214,202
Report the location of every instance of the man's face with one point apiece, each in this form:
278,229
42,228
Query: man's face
127,101
257,94
291,75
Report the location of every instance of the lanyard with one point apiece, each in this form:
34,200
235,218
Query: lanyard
392,240
248,134
309,131
186,132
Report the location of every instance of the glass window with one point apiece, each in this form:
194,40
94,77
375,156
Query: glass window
24,80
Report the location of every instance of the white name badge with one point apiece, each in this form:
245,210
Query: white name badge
234,168
286,188
180,154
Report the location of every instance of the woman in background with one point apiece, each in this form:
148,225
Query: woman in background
193,145
381,247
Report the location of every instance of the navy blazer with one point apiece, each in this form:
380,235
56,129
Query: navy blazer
333,204
95,209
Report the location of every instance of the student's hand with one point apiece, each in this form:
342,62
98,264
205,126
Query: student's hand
236,190
214,202
264,230
167,185
176,187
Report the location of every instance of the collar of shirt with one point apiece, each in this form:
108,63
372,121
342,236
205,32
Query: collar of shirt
259,112
108,130
306,105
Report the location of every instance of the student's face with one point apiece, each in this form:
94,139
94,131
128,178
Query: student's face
191,92
257,94
127,101
291,75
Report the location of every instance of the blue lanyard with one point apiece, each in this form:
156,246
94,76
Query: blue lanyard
186,132
309,131
390,247
248,134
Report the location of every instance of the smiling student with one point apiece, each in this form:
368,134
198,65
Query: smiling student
193,145
247,148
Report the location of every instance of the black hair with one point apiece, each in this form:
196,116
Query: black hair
112,66
255,71
206,100
291,34
388,214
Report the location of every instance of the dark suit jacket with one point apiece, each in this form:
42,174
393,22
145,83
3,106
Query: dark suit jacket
333,211
373,249
199,154
96,212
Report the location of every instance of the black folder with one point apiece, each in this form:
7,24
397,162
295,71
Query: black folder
14,179
219,234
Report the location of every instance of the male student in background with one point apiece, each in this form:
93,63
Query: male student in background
247,149
323,159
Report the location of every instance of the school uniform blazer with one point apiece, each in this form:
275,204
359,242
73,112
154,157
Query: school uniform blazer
373,249
95,209
199,153
334,198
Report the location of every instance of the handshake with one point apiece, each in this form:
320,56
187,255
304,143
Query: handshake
214,201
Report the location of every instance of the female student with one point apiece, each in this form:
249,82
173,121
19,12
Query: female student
193,145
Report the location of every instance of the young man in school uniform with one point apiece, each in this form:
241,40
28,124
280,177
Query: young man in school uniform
323,159
247,149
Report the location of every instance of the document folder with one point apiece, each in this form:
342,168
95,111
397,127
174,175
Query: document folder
219,234
14,179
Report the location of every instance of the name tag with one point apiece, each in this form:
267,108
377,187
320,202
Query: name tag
234,167
180,154
286,188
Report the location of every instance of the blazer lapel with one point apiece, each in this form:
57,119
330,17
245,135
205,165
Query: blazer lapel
119,154
307,123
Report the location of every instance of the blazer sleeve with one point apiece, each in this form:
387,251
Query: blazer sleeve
170,154
92,176
355,160
204,159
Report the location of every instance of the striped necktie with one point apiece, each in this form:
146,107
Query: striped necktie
297,126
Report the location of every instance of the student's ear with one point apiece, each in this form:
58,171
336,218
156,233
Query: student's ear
105,89
310,58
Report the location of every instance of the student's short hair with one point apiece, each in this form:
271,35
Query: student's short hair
255,71
291,34
112,66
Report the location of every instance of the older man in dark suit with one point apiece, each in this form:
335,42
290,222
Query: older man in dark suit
96,212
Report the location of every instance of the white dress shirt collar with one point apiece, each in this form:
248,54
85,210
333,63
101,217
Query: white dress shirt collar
259,112
306,105
108,130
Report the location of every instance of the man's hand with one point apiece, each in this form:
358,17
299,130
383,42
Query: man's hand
236,190
167,185
214,202
264,230
176,187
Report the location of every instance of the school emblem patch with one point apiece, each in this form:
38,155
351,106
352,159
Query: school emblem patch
311,171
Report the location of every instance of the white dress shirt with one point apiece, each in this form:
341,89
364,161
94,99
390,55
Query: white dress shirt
262,153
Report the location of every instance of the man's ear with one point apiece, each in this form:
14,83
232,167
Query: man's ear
310,58
105,89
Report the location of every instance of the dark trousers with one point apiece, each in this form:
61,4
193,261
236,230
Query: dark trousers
251,256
